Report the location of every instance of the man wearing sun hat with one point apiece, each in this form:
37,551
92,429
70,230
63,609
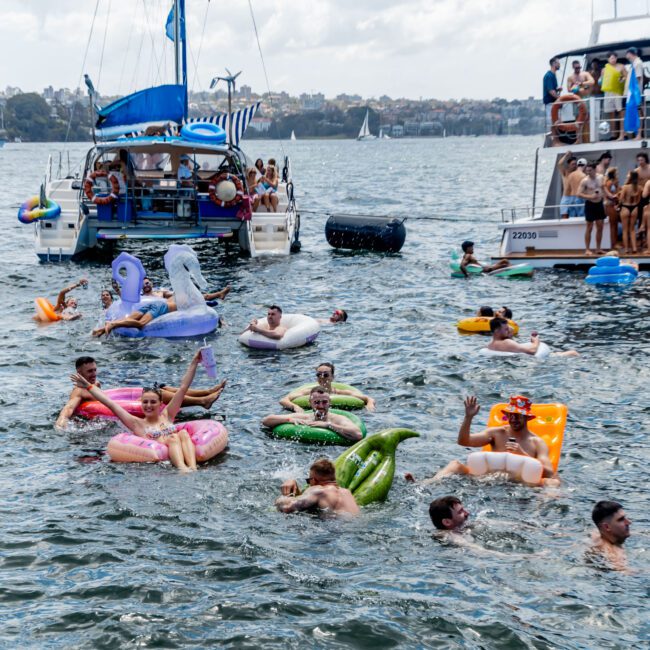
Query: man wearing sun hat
513,437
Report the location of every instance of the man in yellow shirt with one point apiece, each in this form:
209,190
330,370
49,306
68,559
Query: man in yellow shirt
613,86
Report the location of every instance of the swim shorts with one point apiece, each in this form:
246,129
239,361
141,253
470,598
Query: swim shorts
156,309
594,211
572,206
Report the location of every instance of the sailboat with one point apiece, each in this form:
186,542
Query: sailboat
384,136
143,139
364,133
293,135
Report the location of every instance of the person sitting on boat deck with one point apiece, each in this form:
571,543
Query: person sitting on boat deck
116,169
252,183
338,316
185,174
260,170
319,401
485,312
503,312
322,493
579,83
270,196
148,290
156,424
630,199
571,205
514,438
66,308
272,328
591,190
613,529
468,258
448,513
106,297
87,368
324,377
502,340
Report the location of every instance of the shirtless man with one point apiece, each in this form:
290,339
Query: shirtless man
324,377
338,316
322,493
579,83
513,437
138,318
643,170
87,368
613,529
448,513
591,190
468,258
272,328
502,340
319,400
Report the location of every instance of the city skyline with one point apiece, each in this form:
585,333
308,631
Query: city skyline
415,49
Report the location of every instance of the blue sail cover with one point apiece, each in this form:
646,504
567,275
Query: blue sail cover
142,109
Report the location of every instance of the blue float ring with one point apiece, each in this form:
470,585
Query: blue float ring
204,132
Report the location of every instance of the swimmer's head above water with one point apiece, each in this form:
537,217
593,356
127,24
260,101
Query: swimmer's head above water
448,513
611,521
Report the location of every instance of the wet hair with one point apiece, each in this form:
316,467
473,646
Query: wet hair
553,60
153,389
82,361
328,364
441,508
603,510
643,155
317,390
276,307
466,244
344,314
324,467
507,312
496,323
485,311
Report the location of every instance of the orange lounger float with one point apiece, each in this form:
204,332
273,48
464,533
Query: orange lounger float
45,311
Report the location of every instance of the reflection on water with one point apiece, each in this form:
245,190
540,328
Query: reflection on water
104,555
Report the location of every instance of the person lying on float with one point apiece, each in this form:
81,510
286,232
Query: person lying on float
503,340
324,377
468,258
322,493
139,318
514,438
272,328
87,368
319,400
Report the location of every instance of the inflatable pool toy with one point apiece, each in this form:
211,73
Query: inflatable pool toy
301,330
482,324
302,433
526,469
31,211
209,437
549,425
204,132
192,318
45,311
543,352
368,467
516,270
609,270
128,397
348,402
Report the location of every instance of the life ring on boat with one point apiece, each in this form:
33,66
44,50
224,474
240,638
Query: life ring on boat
580,119
204,132
209,437
236,197
30,211
45,311
303,433
481,324
301,330
101,200
347,402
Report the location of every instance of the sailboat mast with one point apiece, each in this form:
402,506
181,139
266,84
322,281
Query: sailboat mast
180,47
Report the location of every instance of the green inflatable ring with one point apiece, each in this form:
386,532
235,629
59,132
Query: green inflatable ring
302,433
348,402
368,467
524,270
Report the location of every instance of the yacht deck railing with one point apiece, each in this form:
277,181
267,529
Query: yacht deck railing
526,213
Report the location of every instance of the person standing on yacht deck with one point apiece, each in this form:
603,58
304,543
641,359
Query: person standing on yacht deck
571,169
603,163
613,85
579,83
550,89
636,69
591,190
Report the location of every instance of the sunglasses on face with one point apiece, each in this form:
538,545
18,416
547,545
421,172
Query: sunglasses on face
323,374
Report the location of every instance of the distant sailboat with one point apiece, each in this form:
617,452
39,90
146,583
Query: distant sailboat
293,135
384,136
364,133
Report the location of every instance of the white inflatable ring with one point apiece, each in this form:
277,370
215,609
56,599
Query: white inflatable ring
301,330
523,468
543,351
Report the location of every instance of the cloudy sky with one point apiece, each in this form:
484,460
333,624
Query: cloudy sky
402,48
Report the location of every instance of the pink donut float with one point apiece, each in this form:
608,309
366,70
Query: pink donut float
128,398
209,437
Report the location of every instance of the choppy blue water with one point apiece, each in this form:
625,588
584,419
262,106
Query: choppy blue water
95,554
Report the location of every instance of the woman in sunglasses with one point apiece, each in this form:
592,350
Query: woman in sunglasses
157,424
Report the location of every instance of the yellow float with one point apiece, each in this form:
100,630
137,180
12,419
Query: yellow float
481,324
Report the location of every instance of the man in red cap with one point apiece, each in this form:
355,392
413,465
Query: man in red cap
513,437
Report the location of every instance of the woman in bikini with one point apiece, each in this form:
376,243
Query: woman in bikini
157,424
630,197
611,189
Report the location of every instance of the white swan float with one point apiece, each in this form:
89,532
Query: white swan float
301,330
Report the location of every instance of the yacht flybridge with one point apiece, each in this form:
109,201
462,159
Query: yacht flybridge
580,124
155,174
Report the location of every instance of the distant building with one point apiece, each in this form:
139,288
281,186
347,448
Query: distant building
12,91
312,102
245,92
397,131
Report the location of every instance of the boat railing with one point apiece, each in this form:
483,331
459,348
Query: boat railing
530,212
591,119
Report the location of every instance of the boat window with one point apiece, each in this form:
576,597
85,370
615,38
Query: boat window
151,161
